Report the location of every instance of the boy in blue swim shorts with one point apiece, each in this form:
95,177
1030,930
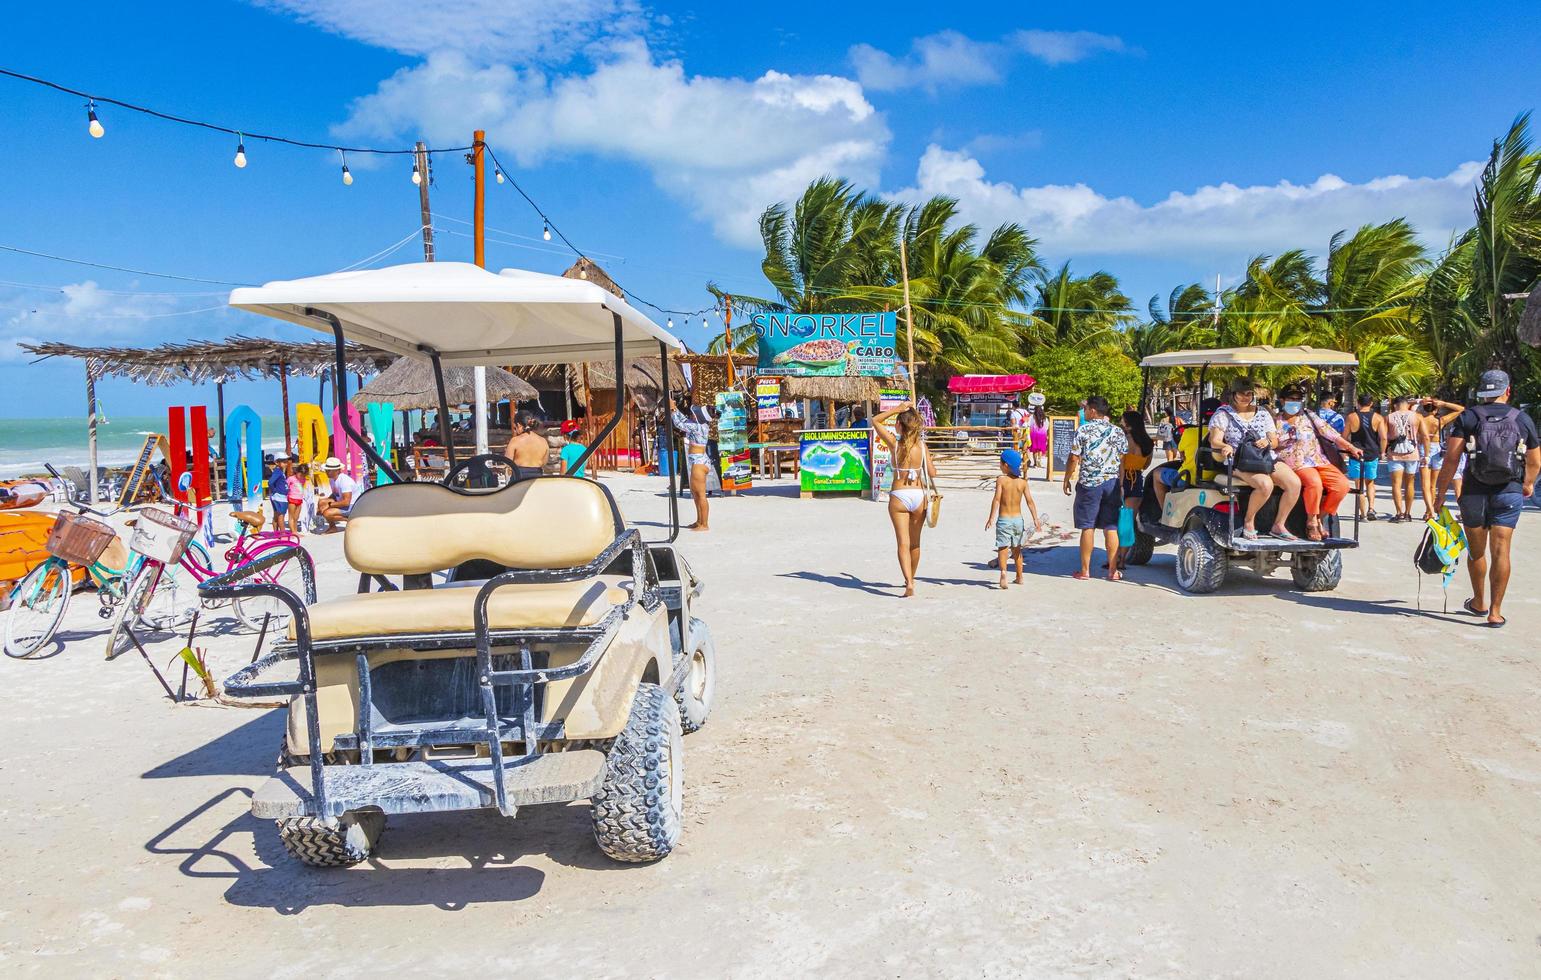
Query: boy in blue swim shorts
1011,490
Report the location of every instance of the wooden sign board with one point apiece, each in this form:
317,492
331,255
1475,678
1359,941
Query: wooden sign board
139,480
1061,434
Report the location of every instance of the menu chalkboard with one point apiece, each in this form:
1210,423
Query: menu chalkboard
1061,433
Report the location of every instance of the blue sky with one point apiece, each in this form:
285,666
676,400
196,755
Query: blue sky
1166,147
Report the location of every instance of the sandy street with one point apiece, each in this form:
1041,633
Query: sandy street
1065,779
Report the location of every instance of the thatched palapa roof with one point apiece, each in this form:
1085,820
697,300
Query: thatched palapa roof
214,360
408,384
851,388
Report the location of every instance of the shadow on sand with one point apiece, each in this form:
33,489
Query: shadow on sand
220,839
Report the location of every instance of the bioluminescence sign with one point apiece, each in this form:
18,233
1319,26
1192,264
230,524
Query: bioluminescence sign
826,344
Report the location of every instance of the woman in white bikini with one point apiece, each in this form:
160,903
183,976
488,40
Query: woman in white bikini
907,499
696,427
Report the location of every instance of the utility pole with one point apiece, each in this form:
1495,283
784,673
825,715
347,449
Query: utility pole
425,177
909,323
479,230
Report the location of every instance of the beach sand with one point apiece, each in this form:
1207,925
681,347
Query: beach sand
1067,778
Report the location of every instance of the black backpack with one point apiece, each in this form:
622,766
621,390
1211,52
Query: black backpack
1496,449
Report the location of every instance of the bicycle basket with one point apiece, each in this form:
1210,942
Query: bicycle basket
161,536
79,540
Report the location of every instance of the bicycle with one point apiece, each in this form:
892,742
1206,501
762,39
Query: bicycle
165,542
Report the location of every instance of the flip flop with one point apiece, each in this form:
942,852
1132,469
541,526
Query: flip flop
1498,625
1283,535
1080,576
1475,612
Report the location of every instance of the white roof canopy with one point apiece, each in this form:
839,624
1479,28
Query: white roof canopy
465,313
1261,356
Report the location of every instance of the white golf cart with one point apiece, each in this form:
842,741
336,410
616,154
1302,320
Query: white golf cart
1204,505
532,647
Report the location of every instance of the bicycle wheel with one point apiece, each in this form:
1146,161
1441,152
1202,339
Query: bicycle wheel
130,611
252,610
37,608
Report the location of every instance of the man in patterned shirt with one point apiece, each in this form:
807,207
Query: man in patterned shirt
1096,462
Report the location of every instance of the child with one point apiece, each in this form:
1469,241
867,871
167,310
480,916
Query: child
1010,490
299,476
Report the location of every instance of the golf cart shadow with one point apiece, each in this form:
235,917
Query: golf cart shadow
246,851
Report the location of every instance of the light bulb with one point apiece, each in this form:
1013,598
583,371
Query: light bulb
545,230
417,175
240,154
706,323
347,178
671,323
95,125
497,174
583,273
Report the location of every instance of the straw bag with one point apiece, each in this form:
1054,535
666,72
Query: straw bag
934,507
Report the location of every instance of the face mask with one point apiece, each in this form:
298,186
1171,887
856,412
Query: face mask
1292,408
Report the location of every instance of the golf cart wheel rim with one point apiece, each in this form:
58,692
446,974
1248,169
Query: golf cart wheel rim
1187,563
698,675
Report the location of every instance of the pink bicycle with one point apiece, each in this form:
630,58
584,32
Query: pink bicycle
160,597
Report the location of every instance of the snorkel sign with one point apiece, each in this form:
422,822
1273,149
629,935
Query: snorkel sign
826,344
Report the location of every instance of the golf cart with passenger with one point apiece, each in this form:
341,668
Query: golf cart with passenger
509,645
1205,500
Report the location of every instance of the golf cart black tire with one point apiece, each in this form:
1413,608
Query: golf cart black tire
1140,552
635,815
1317,571
695,698
1197,550
323,843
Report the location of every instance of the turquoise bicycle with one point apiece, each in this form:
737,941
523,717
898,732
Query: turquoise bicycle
39,601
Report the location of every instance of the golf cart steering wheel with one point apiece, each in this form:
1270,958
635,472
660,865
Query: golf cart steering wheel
479,471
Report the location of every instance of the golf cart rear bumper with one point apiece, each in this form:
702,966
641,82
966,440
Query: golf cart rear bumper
432,786
1238,543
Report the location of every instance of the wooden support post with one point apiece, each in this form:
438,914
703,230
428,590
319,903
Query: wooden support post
219,406
283,390
909,322
727,337
91,479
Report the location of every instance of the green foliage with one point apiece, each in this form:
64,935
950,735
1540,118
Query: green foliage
1066,375
989,306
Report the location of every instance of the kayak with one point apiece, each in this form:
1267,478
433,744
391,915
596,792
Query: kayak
23,540
16,494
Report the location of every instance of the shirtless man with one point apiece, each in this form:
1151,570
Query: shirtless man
528,448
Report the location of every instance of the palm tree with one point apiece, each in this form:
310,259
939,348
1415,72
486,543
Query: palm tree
1078,311
1506,253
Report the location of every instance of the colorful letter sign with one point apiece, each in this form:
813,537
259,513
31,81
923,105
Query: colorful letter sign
826,344
243,444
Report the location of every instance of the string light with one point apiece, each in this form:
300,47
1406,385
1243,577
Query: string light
671,323
94,126
240,152
497,174
545,229
417,175
347,178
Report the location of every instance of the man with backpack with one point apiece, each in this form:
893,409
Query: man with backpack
1503,457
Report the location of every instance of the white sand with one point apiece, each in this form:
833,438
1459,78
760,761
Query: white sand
1063,779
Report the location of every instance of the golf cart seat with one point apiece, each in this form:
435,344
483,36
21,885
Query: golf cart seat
414,529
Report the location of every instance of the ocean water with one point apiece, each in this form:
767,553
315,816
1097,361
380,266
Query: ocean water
26,444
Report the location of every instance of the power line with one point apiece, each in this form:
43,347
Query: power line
118,268
216,127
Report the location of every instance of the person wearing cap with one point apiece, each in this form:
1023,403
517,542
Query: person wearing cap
1011,490
1503,458
334,507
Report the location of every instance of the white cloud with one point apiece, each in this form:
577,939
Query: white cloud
530,30
949,59
1223,220
725,146
1065,47
83,312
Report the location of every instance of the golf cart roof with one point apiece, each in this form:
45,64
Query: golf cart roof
1264,355
465,313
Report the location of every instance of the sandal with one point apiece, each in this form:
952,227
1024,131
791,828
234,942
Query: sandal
1282,535
1314,531
1247,535
1498,625
1080,576
1467,605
